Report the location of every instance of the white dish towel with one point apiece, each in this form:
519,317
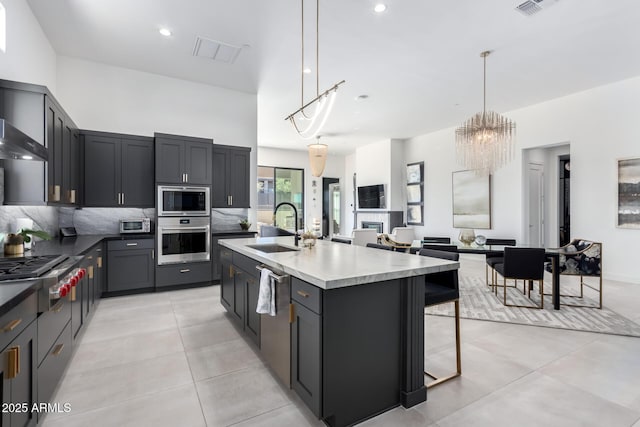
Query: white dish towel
267,293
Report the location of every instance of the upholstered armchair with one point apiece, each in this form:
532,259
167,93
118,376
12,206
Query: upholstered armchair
581,258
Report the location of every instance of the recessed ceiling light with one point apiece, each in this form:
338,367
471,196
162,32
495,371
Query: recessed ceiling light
165,32
307,70
27,157
380,7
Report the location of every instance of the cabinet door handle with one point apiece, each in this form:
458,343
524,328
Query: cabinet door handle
11,325
13,359
303,294
72,197
58,307
292,313
91,272
132,244
231,198
56,193
153,254
230,271
73,293
187,177
99,261
185,270
123,198
57,350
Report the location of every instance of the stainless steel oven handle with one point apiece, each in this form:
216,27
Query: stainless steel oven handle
205,229
275,276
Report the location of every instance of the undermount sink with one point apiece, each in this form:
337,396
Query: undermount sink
272,247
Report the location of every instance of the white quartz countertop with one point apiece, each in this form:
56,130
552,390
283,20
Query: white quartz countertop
331,265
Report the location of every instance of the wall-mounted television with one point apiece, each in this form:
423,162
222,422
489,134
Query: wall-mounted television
371,197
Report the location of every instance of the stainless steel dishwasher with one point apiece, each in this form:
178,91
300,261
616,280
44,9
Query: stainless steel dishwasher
275,332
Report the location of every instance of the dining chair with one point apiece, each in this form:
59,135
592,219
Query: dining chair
582,258
526,264
339,240
428,239
403,234
493,258
436,247
442,288
362,236
379,246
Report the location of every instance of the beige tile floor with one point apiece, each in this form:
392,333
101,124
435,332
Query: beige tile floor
175,359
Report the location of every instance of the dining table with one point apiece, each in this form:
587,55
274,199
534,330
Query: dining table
552,255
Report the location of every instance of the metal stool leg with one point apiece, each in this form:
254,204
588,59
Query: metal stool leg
458,355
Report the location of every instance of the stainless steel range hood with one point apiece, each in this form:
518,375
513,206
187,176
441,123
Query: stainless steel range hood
14,144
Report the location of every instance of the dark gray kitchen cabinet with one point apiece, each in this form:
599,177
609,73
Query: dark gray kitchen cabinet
33,110
183,159
118,170
225,271
130,265
306,352
179,275
216,248
239,289
251,286
19,379
231,177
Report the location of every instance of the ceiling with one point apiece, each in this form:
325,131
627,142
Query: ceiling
418,62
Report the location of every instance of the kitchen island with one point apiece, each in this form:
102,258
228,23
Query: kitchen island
355,321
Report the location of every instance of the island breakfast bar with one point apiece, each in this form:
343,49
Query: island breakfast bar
348,336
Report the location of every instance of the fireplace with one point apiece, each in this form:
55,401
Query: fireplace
375,225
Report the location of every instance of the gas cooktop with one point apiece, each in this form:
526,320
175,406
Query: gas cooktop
28,267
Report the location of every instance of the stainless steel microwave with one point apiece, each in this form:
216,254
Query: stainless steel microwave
138,225
183,201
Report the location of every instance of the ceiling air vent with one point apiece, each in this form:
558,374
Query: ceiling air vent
531,7
216,50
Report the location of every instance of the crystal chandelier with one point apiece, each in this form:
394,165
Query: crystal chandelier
485,142
309,119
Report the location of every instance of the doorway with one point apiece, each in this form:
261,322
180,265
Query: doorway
536,204
564,201
335,202
326,204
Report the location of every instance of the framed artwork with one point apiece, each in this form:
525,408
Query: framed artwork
471,200
415,193
628,193
414,214
414,173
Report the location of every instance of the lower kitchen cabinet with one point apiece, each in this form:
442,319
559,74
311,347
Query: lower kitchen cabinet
130,265
306,348
188,273
239,290
19,379
52,367
216,248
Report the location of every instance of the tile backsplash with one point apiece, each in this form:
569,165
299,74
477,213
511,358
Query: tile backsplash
100,220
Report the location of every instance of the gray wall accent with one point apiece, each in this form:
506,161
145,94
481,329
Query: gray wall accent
44,218
101,220
228,219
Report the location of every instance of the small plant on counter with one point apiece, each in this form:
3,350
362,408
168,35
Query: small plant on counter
245,224
308,239
26,234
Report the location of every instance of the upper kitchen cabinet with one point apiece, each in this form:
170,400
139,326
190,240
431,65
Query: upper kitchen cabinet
32,109
118,170
183,159
62,140
231,177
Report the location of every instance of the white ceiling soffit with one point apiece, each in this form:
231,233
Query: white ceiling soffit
216,50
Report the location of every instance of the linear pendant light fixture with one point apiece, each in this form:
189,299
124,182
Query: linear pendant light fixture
485,142
310,118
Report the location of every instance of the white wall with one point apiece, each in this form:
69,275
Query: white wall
382,162
349,201
112,99
600,126
334,168
29,56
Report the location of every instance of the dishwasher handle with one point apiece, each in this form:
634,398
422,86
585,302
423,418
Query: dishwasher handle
278,278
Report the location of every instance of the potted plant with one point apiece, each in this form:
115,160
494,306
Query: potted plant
245,224
14,243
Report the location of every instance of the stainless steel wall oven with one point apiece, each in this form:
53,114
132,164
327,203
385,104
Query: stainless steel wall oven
183,239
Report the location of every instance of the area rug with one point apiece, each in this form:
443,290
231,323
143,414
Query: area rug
479,303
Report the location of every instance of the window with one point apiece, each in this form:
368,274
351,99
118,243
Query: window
277,185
